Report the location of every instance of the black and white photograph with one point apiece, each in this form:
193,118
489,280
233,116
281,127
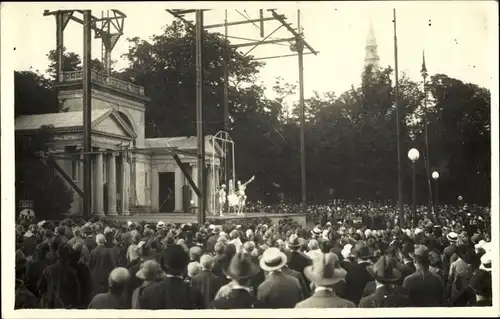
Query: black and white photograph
233,158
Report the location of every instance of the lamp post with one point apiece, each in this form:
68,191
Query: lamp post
414,155
435,177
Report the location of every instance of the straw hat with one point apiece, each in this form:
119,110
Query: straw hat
272,259
293,241
316,231
325,271
150,271
160,225
452,237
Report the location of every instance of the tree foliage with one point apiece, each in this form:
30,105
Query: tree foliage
35,180
350,136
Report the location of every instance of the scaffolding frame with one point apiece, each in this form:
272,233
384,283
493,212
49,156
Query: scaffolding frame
226,142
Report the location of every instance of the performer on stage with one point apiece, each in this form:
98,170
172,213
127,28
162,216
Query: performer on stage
241,194
232,200
221,193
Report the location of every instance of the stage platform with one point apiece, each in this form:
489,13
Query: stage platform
181,218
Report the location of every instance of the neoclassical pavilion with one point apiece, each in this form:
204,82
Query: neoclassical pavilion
130,173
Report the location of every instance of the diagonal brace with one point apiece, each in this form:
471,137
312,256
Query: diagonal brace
186,173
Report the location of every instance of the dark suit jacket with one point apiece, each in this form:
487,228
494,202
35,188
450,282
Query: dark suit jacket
425,289
211,242
206,284
279,291
170,293
101,263
406,270
306,290
383,297
325,299
356,279
237,299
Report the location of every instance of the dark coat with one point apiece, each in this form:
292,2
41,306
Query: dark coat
425,289
59,287
280,291
108,300
119,255
24,299
237,299
356,279
34,272
90,242
85,280
101,264
298,261
406,270
211,242
386,297
206,284
306,290
170,293
325,299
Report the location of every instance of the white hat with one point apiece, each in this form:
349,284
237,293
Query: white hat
452,236
316,231
368,232
480,244
211,226
42,223
408,232
140,244
238,226
486,261
325,234
328,224
418,231
28,234
107,230
160,225
358,231
129,223
272,259
346,251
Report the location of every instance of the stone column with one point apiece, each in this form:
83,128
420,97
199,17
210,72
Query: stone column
80,178
210,187
154,190
126,185
194,177
179,178
98,186
112,184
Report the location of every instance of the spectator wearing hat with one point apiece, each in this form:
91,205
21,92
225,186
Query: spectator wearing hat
206,283
61,233
218,260
35,267
314,249
481,286
461,272
408,266
325,273
171,292
387,292
278,289
235,239
149,273
90,242
212,240
357,275
23,298
297,261
115,297
195,253
240,270
59,284
77,237
449,253
193,268
425,289
101,264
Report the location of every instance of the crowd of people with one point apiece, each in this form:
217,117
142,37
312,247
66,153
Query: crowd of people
337,263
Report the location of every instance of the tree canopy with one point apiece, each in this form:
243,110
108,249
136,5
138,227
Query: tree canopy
350,136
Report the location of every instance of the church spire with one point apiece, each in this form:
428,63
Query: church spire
371,54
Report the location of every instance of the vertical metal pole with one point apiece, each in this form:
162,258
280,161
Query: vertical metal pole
59,45
436,202
87,114
261,16
414,203
398,133
226,97
426,158
108,47
300,51
199,116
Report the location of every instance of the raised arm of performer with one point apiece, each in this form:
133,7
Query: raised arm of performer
249,181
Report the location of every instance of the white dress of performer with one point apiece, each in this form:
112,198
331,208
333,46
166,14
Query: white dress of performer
233,201
242,197
222,198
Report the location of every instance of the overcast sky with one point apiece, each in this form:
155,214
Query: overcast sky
458,37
